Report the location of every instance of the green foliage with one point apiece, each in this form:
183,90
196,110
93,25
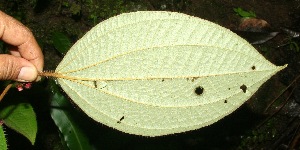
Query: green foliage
243,13
62,112
98,10
64,117
103,9
176,5
75,9
19,116
33,3
61,42
260,135
294,46
3,145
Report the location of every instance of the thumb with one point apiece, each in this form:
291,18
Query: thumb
16,68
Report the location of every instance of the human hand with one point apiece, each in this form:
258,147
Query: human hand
26,58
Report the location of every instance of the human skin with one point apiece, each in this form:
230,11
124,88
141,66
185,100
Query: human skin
26,58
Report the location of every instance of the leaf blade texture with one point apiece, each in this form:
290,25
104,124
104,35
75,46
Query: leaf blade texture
21,118
3,144
158,73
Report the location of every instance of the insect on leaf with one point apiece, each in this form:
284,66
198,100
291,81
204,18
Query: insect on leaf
159,73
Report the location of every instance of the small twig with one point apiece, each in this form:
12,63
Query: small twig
282,93
285,102
295,139
278,110
50,74
5,91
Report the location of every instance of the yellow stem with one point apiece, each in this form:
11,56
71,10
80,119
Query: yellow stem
50,74
5,91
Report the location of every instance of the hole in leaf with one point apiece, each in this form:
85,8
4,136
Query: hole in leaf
253,68
244,88
199,90
120,119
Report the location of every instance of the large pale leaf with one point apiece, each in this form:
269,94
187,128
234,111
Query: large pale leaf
158,73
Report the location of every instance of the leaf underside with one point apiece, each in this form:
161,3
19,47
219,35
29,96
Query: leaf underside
158,73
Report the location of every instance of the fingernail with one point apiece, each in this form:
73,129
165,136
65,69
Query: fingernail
27,74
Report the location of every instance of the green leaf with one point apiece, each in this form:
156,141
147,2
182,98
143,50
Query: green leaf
243,13
158,73
61,42
21,118
67,122
3,144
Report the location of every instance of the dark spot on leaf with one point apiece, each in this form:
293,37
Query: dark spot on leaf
199,90
162,80
95,84
229,89
225,101
244,88
120,119
253,67
195,78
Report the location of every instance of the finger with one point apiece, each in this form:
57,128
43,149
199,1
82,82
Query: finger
15,53
16,68
16,34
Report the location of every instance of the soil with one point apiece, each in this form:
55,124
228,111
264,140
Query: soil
253,126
